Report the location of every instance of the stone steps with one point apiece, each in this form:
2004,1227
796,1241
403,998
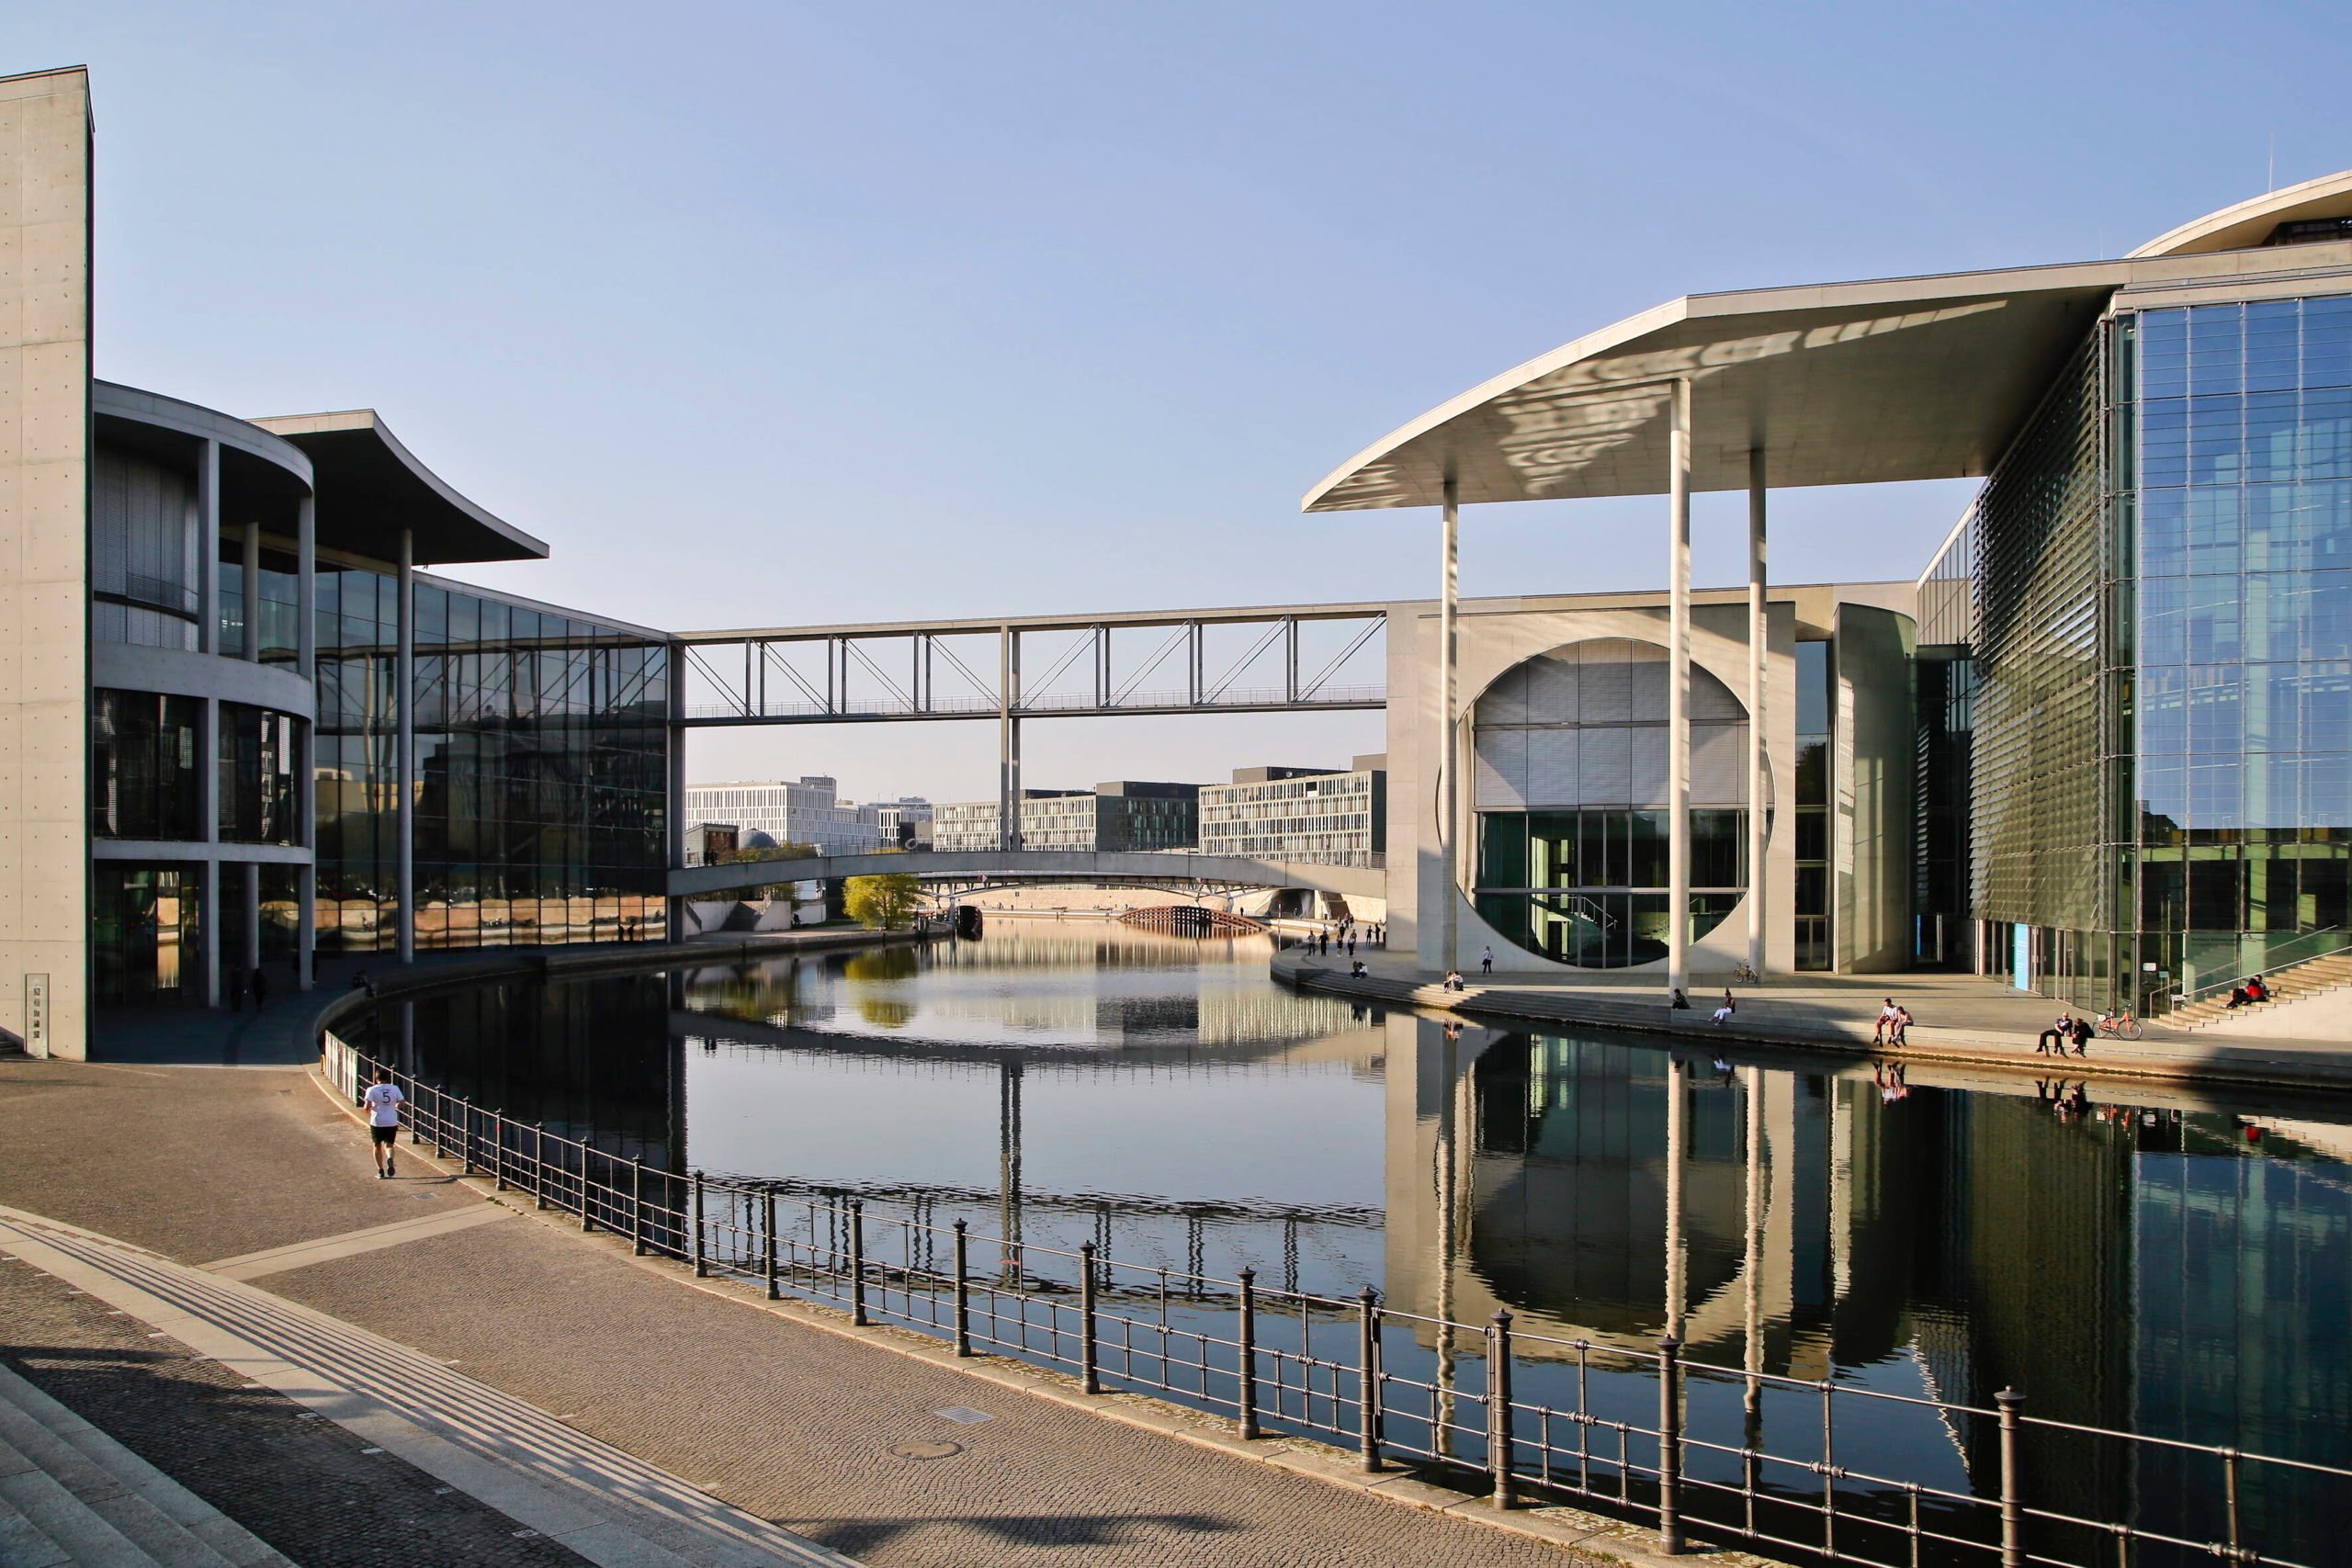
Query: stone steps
2310,978
69,1493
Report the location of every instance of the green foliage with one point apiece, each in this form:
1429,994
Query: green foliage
882,903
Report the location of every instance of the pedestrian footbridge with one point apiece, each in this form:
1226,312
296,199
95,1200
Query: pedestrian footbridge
1185,873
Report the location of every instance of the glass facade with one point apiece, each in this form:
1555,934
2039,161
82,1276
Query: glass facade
2235,532
144,558
258,754
542,766
144,933
1814,708
1571,785
144,781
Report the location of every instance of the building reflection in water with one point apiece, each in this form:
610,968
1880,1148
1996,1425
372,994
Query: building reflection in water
2163,1267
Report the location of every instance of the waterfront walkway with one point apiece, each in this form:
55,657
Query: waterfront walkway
1961,1019
399,1302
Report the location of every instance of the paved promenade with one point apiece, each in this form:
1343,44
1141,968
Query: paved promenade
1962,1019
257,1174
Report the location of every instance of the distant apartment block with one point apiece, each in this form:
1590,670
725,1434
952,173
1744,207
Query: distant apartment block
1320,815
1125,814
897,822
809,812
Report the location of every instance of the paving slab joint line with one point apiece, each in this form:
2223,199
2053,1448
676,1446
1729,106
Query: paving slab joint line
1591,1535
484,1451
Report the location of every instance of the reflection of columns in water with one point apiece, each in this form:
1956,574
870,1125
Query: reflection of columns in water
1678,1108
1752,1090
1449,1120
1009,1163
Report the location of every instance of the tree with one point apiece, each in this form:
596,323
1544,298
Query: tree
882,903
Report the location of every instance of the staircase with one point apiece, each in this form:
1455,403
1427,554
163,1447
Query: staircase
2308,978
69,1493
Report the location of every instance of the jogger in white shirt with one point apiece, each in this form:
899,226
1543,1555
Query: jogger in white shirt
383,1103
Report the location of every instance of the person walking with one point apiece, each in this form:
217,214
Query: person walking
1352,947
383,1101
236,990
1487,960
261,988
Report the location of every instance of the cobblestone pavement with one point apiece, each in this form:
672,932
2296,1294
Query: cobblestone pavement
306,1486
791,1423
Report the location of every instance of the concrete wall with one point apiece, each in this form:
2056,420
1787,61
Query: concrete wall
1870,809
1495,635
44,555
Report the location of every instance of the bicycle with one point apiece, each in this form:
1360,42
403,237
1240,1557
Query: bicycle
2121,1026
1745,975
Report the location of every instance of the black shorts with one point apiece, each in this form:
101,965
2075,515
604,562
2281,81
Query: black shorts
385,1135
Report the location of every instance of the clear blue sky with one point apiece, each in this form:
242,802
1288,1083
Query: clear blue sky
765,314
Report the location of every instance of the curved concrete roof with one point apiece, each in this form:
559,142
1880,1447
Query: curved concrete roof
1849,383
370,487
1843,383
2249,223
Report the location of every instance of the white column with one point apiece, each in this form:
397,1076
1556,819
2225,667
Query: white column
1008,739
305,779
1677,696
252,565
404,705
1450,740
1756,793
208,735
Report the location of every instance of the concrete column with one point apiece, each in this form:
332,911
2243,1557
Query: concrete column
1008,739
1677,696
1756,709
207,543
209,915
306,778
252,650
404,767
1450,745
1752,1253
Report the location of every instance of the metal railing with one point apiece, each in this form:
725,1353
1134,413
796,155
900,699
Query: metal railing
1641,1434
2321,943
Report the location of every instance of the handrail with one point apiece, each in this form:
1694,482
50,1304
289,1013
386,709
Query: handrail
2275,959
1252,1352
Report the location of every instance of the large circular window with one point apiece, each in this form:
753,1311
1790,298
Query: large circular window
1571,799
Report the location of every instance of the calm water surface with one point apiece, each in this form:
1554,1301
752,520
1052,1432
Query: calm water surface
2164,1262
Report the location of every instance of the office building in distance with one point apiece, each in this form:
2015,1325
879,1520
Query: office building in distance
808,812
1124,814
1312,815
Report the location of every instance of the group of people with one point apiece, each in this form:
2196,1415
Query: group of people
1894,1027
2253,991
240,983
2067,1030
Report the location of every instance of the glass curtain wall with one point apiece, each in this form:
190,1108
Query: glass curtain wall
2240,516
144,939
1814,708
542,770
143,779
144,559
2046,684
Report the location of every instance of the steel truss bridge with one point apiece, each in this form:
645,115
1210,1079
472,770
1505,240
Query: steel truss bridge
1267,659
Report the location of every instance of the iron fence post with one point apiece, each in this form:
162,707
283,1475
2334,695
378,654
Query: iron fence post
539,1163
2230,1476
857,1262
1246,1365
702,1265
1088,1371
637,1206
466,1135
498,1150
587,1197
1368,1379
963,1295
767,1231
2012,1502
1499,1443
1669,1444
440,1122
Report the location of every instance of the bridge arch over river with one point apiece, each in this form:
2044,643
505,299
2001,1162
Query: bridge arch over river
1140,867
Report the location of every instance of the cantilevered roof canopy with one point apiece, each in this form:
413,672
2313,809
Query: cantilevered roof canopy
370,487
1846,383
1853,383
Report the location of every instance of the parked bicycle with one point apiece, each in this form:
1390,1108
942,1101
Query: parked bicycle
1745,975
2120,1025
